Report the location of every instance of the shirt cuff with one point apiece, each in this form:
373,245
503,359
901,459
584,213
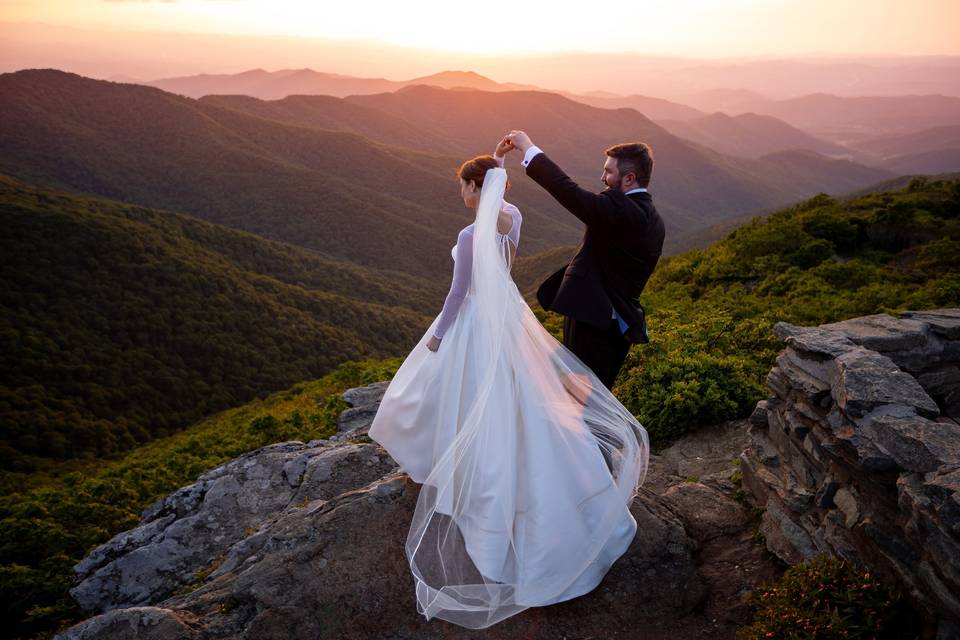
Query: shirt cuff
529,155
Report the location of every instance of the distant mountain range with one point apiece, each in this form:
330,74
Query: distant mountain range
890,146
273,85
333,191
122,323
850,120
749,135
928,151
692,183
828,124
701,85
311,171
656,109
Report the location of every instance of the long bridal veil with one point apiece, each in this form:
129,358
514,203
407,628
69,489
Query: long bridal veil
530,463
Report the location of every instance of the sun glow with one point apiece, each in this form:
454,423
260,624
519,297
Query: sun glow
678,27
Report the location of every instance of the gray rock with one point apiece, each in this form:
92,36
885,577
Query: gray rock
341,572
785,538
876,433
913,442
369,395
846,501
807,375
364,402
708,455
866,380
706,512
812,341
759,415
881,332
945,322
145,623
189,532
941,381
951,404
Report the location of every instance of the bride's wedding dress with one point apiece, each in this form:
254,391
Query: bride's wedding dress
528,464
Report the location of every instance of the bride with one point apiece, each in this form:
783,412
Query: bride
528,464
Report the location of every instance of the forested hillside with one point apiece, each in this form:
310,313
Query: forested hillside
121,323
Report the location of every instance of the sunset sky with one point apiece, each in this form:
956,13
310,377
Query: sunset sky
700,28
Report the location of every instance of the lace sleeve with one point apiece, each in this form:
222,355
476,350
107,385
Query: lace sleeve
460,283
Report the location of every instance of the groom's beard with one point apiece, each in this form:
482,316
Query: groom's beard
616,186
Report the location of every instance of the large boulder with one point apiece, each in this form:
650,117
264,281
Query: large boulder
856,453
198,529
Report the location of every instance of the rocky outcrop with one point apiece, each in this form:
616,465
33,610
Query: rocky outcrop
306,540
226,517
857,452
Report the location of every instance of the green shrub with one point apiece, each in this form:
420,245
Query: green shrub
940,254
826,599
839,230
672,395
812,253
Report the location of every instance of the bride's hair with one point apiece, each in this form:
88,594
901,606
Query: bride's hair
476,169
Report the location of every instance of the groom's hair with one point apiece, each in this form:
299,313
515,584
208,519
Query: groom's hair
476,169
636,157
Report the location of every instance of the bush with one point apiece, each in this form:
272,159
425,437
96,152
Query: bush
672,395
812,253
941,254
825,599
838,230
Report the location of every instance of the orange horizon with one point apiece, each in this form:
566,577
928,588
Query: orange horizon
698,29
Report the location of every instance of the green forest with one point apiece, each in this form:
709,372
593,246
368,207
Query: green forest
710,311
121,323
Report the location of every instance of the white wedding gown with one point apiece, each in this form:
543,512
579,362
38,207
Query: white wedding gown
528,464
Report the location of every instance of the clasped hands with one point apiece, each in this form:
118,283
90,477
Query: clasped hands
514,140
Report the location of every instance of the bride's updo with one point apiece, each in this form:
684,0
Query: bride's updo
476,169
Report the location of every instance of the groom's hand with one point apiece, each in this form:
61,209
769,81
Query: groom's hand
519,139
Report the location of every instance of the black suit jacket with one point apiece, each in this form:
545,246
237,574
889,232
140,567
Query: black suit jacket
621,246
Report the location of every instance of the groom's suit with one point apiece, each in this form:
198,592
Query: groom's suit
621,246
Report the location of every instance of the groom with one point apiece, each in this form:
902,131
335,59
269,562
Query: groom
598,290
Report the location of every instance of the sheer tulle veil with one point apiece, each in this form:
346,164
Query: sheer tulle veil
534,464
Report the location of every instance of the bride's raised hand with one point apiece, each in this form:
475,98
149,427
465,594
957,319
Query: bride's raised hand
504,146
519,140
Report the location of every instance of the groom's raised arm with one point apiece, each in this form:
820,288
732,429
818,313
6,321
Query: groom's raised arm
590,207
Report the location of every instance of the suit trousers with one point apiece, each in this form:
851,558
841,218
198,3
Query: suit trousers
603,350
